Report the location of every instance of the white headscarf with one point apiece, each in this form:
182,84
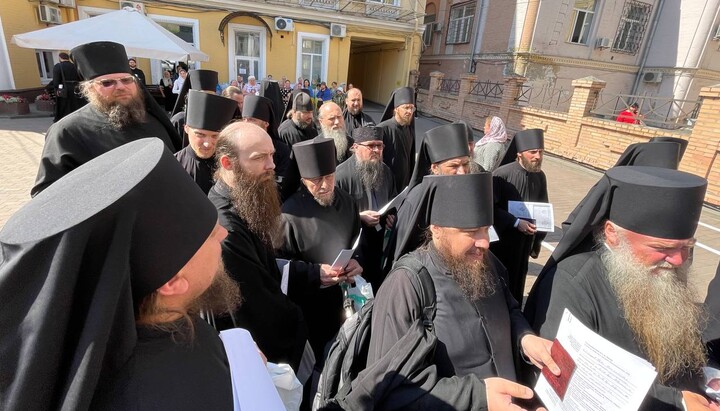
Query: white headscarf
497,133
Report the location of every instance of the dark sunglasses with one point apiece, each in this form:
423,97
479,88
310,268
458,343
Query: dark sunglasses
373,146
107,83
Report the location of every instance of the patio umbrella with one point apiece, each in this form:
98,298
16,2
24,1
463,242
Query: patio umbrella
140,35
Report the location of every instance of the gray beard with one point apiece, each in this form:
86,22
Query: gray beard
341,141
325,201
661,311
119,115
371,173
299,124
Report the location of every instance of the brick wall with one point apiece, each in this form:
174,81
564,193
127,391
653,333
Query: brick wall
578,136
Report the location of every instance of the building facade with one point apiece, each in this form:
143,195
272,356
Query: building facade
373,44
642,47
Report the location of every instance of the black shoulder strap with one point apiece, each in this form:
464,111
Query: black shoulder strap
424,283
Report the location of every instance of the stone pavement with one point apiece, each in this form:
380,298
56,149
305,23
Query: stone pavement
22,141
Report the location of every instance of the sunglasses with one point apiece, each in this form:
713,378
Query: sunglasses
373,146
107,83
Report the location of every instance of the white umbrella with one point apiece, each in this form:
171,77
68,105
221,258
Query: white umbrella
141,36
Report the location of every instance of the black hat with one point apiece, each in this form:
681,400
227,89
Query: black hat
302,102
367,133
660,154
289,105
532,139
440,144
316,157
200,80
100,58
672,201
208,111
400,96
270,89
683,143
79,257
461,201
261,108
470,132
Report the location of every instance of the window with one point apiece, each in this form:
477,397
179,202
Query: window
184,31
429,23
313,57
632,27
45,61
460,24
583,13
247,54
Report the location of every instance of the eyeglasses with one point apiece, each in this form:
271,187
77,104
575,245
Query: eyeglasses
108,82
373,146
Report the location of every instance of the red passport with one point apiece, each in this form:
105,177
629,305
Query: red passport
567,368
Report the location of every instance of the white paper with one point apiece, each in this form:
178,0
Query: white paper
606,377
493,234
284,266
342,259
253,388
542,213
392,203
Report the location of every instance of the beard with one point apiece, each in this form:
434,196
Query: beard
371,173
299,123
403,121
473,278
660,308
340,139
530,166
222,297
120,114
257,202
354,111
325,200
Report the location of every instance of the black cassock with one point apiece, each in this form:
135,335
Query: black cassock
275,322
86,134
178,123
479,338
580,284
196,373
290,133
65,74
399,152
200,169
355,121
512,182
372,239
316,234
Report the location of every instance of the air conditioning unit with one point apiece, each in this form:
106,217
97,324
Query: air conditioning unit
437,27
139,7
652,77
603,43
338,30
49,14
283,24
67,3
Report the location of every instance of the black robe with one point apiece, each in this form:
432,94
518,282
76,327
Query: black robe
580,284
412,222
86,134
290,133
316,234
478,338
711,335
355,121
512,182
399,153
178,123
65,74
197,373
371,241
274,321
200,169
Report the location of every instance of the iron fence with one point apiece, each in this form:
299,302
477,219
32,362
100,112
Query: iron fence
486,89
547,98
450,86
661,112
423,82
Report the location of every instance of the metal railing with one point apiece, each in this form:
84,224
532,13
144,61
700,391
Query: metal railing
370,8
660,112
486,89
423,82
450,86
547,98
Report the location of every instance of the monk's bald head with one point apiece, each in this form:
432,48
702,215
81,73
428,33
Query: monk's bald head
246,146
354,101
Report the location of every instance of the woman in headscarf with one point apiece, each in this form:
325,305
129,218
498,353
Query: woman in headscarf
490,149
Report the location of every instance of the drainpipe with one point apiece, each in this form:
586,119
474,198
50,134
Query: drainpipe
646,49
476,41
526,38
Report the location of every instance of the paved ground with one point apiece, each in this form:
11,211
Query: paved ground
22,141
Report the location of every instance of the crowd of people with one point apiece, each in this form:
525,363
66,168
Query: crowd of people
148,235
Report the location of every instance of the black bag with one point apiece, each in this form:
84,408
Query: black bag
348,354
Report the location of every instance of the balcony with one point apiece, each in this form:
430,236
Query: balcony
380,9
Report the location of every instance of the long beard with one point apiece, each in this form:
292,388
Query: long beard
371,173
530,166
341,141
660,309
258,203
473,278
121,115
223,296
